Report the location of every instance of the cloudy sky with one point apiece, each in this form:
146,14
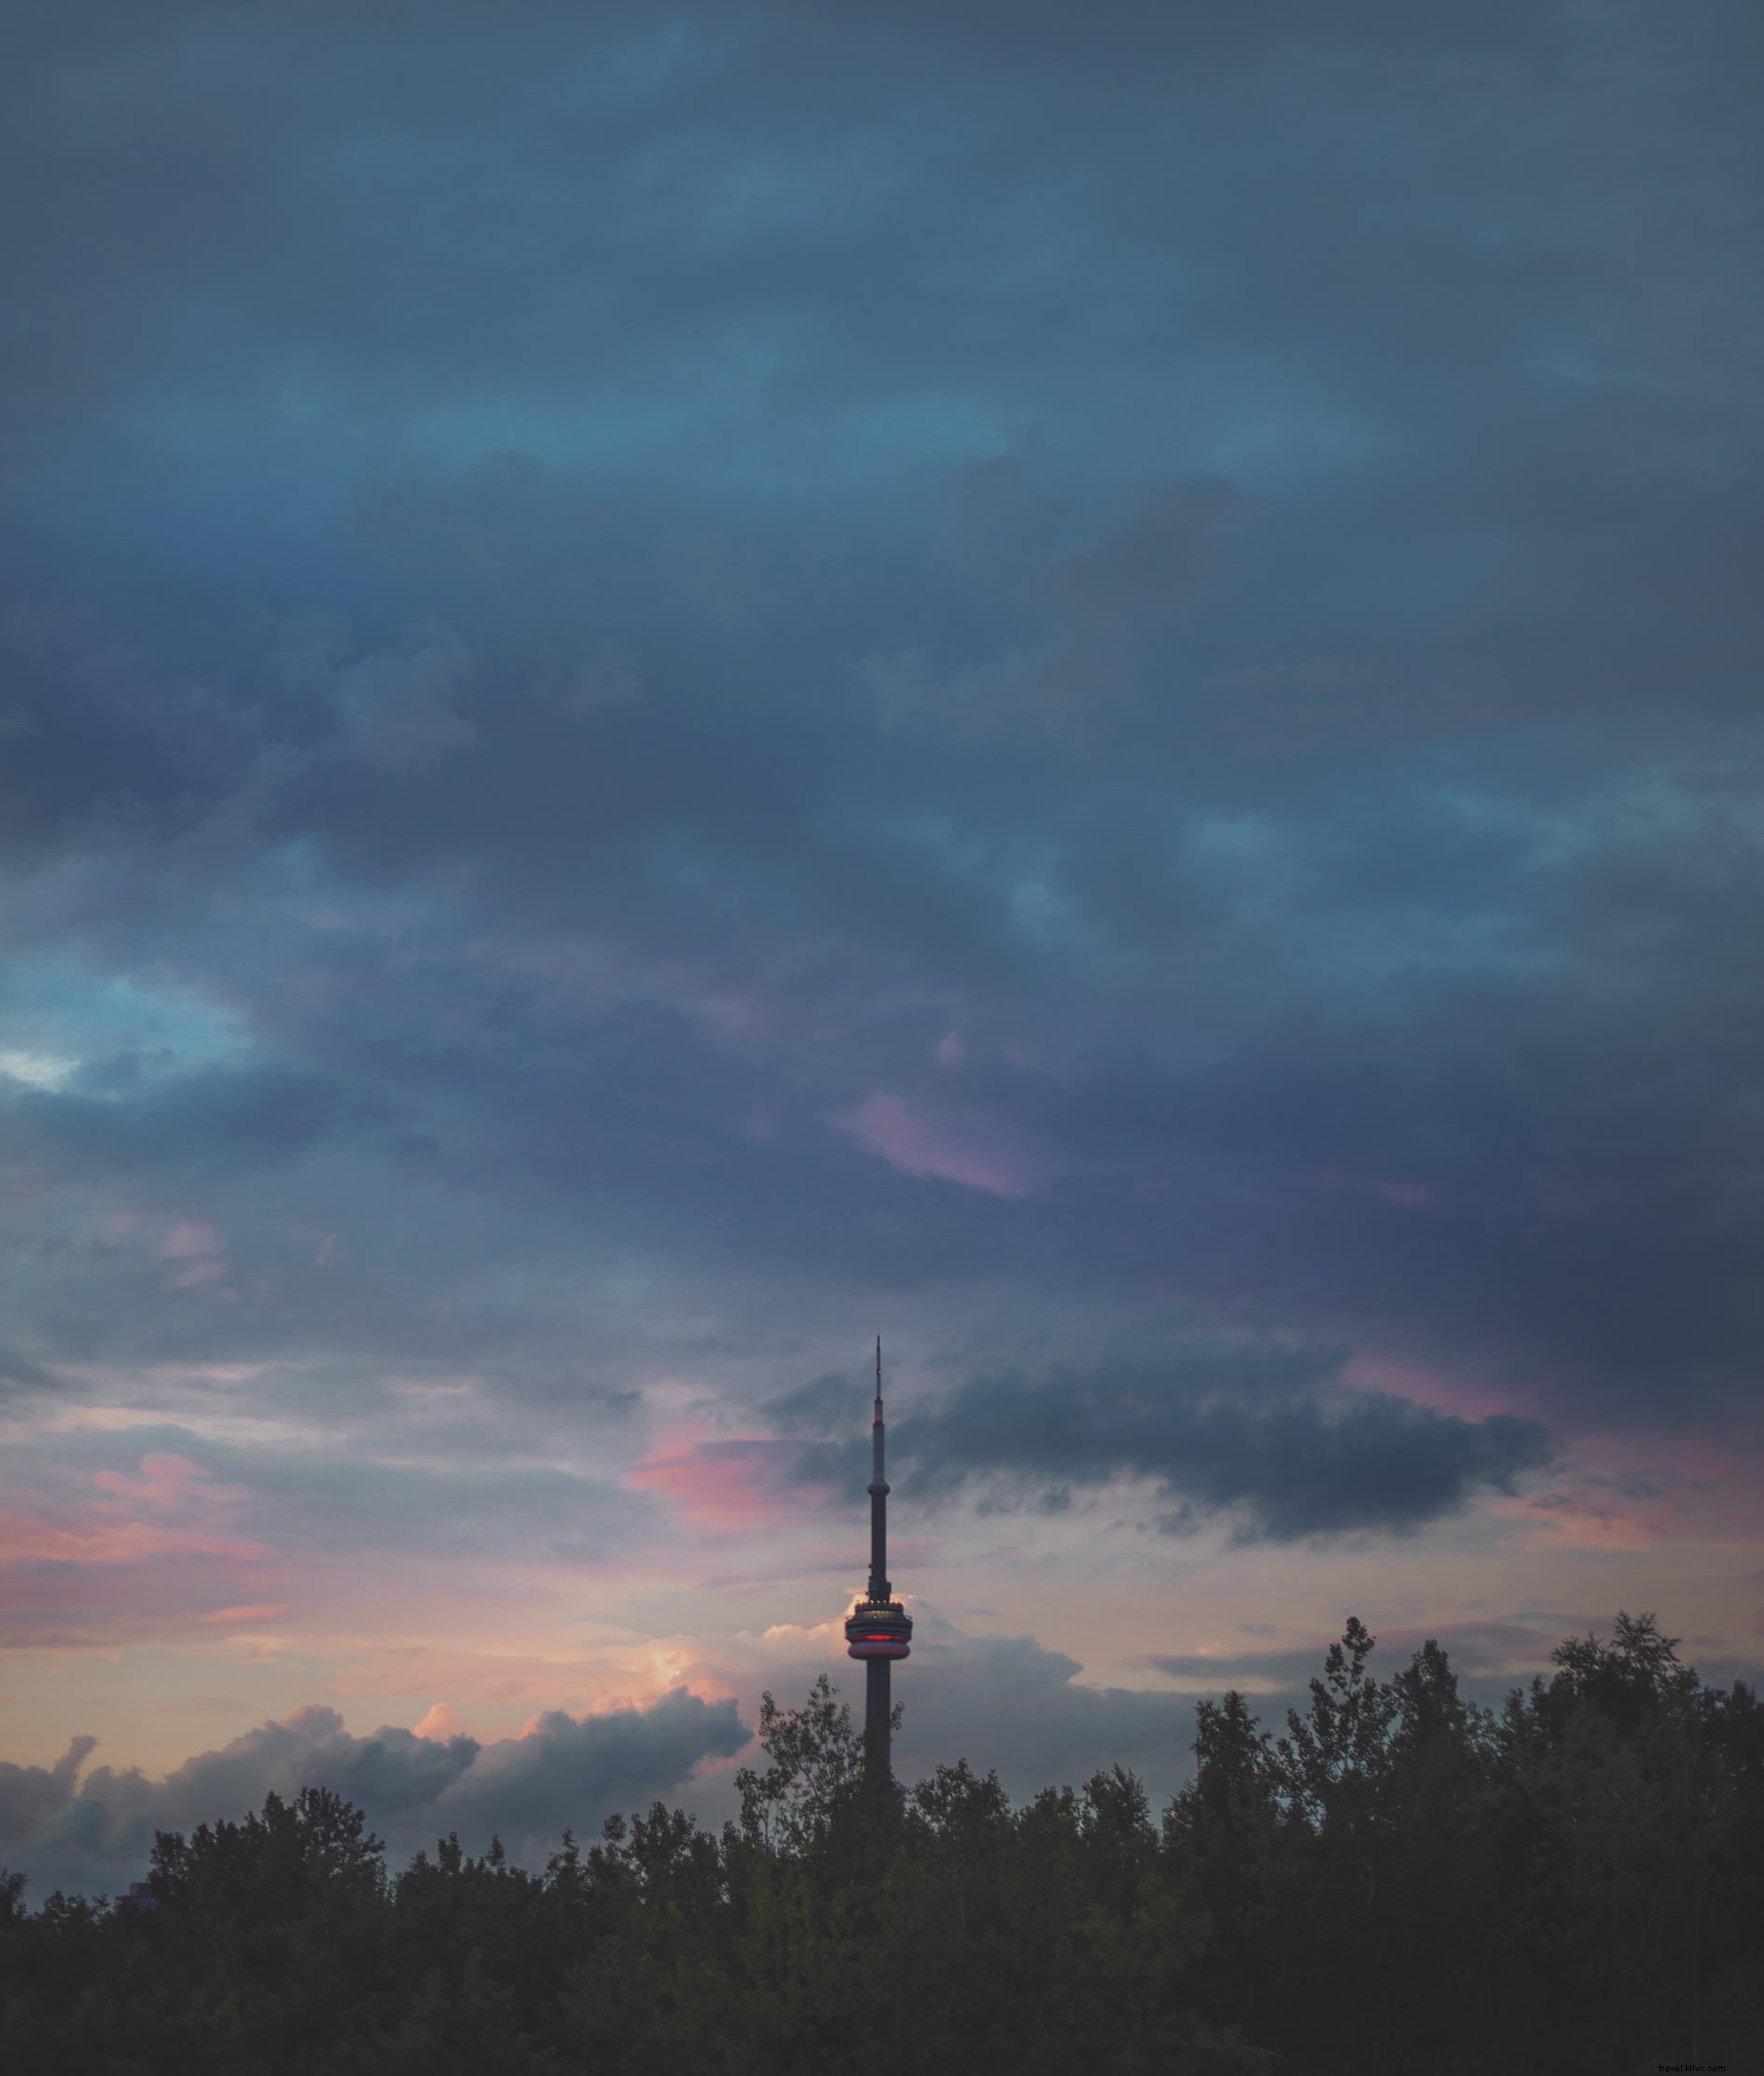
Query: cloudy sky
1077,683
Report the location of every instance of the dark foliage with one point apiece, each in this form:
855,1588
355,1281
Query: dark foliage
1403,1881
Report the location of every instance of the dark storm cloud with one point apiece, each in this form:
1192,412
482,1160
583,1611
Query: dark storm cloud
95,1833
1283,1465
1167,593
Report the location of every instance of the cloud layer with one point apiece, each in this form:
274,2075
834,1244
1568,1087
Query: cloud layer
1287,1469
1004,1701
673,689
92,1832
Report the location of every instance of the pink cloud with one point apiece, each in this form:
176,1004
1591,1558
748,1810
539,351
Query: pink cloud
164,1481
1568,1519
913,1144
167,1484
29,1537
84,1580
1631,1492
196,1253
1464,1398
951,1052
173,1509
725,1486
125,1555
253,1615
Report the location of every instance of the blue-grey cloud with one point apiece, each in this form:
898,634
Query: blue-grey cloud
578,613
1011,1704
93,1832
1481,1651
1283,1466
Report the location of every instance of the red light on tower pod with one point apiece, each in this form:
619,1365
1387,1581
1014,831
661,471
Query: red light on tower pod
879,1629
885,1632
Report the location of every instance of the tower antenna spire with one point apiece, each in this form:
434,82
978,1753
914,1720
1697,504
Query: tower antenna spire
879,1629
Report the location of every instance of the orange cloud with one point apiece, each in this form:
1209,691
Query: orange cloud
439,1724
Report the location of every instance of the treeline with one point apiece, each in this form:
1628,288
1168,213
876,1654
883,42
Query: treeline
1401,1882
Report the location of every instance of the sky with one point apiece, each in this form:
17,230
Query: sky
1080,685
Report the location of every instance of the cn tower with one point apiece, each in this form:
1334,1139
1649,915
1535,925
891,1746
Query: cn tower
879,1629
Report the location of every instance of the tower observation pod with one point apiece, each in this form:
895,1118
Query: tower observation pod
879,1629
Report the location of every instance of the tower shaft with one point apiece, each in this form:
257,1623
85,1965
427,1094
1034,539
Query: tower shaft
879,1587
877,1730
879,1629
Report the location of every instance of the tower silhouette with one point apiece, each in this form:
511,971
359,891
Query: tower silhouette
879,1629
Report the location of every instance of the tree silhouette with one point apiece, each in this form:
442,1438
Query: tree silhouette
1399,1881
